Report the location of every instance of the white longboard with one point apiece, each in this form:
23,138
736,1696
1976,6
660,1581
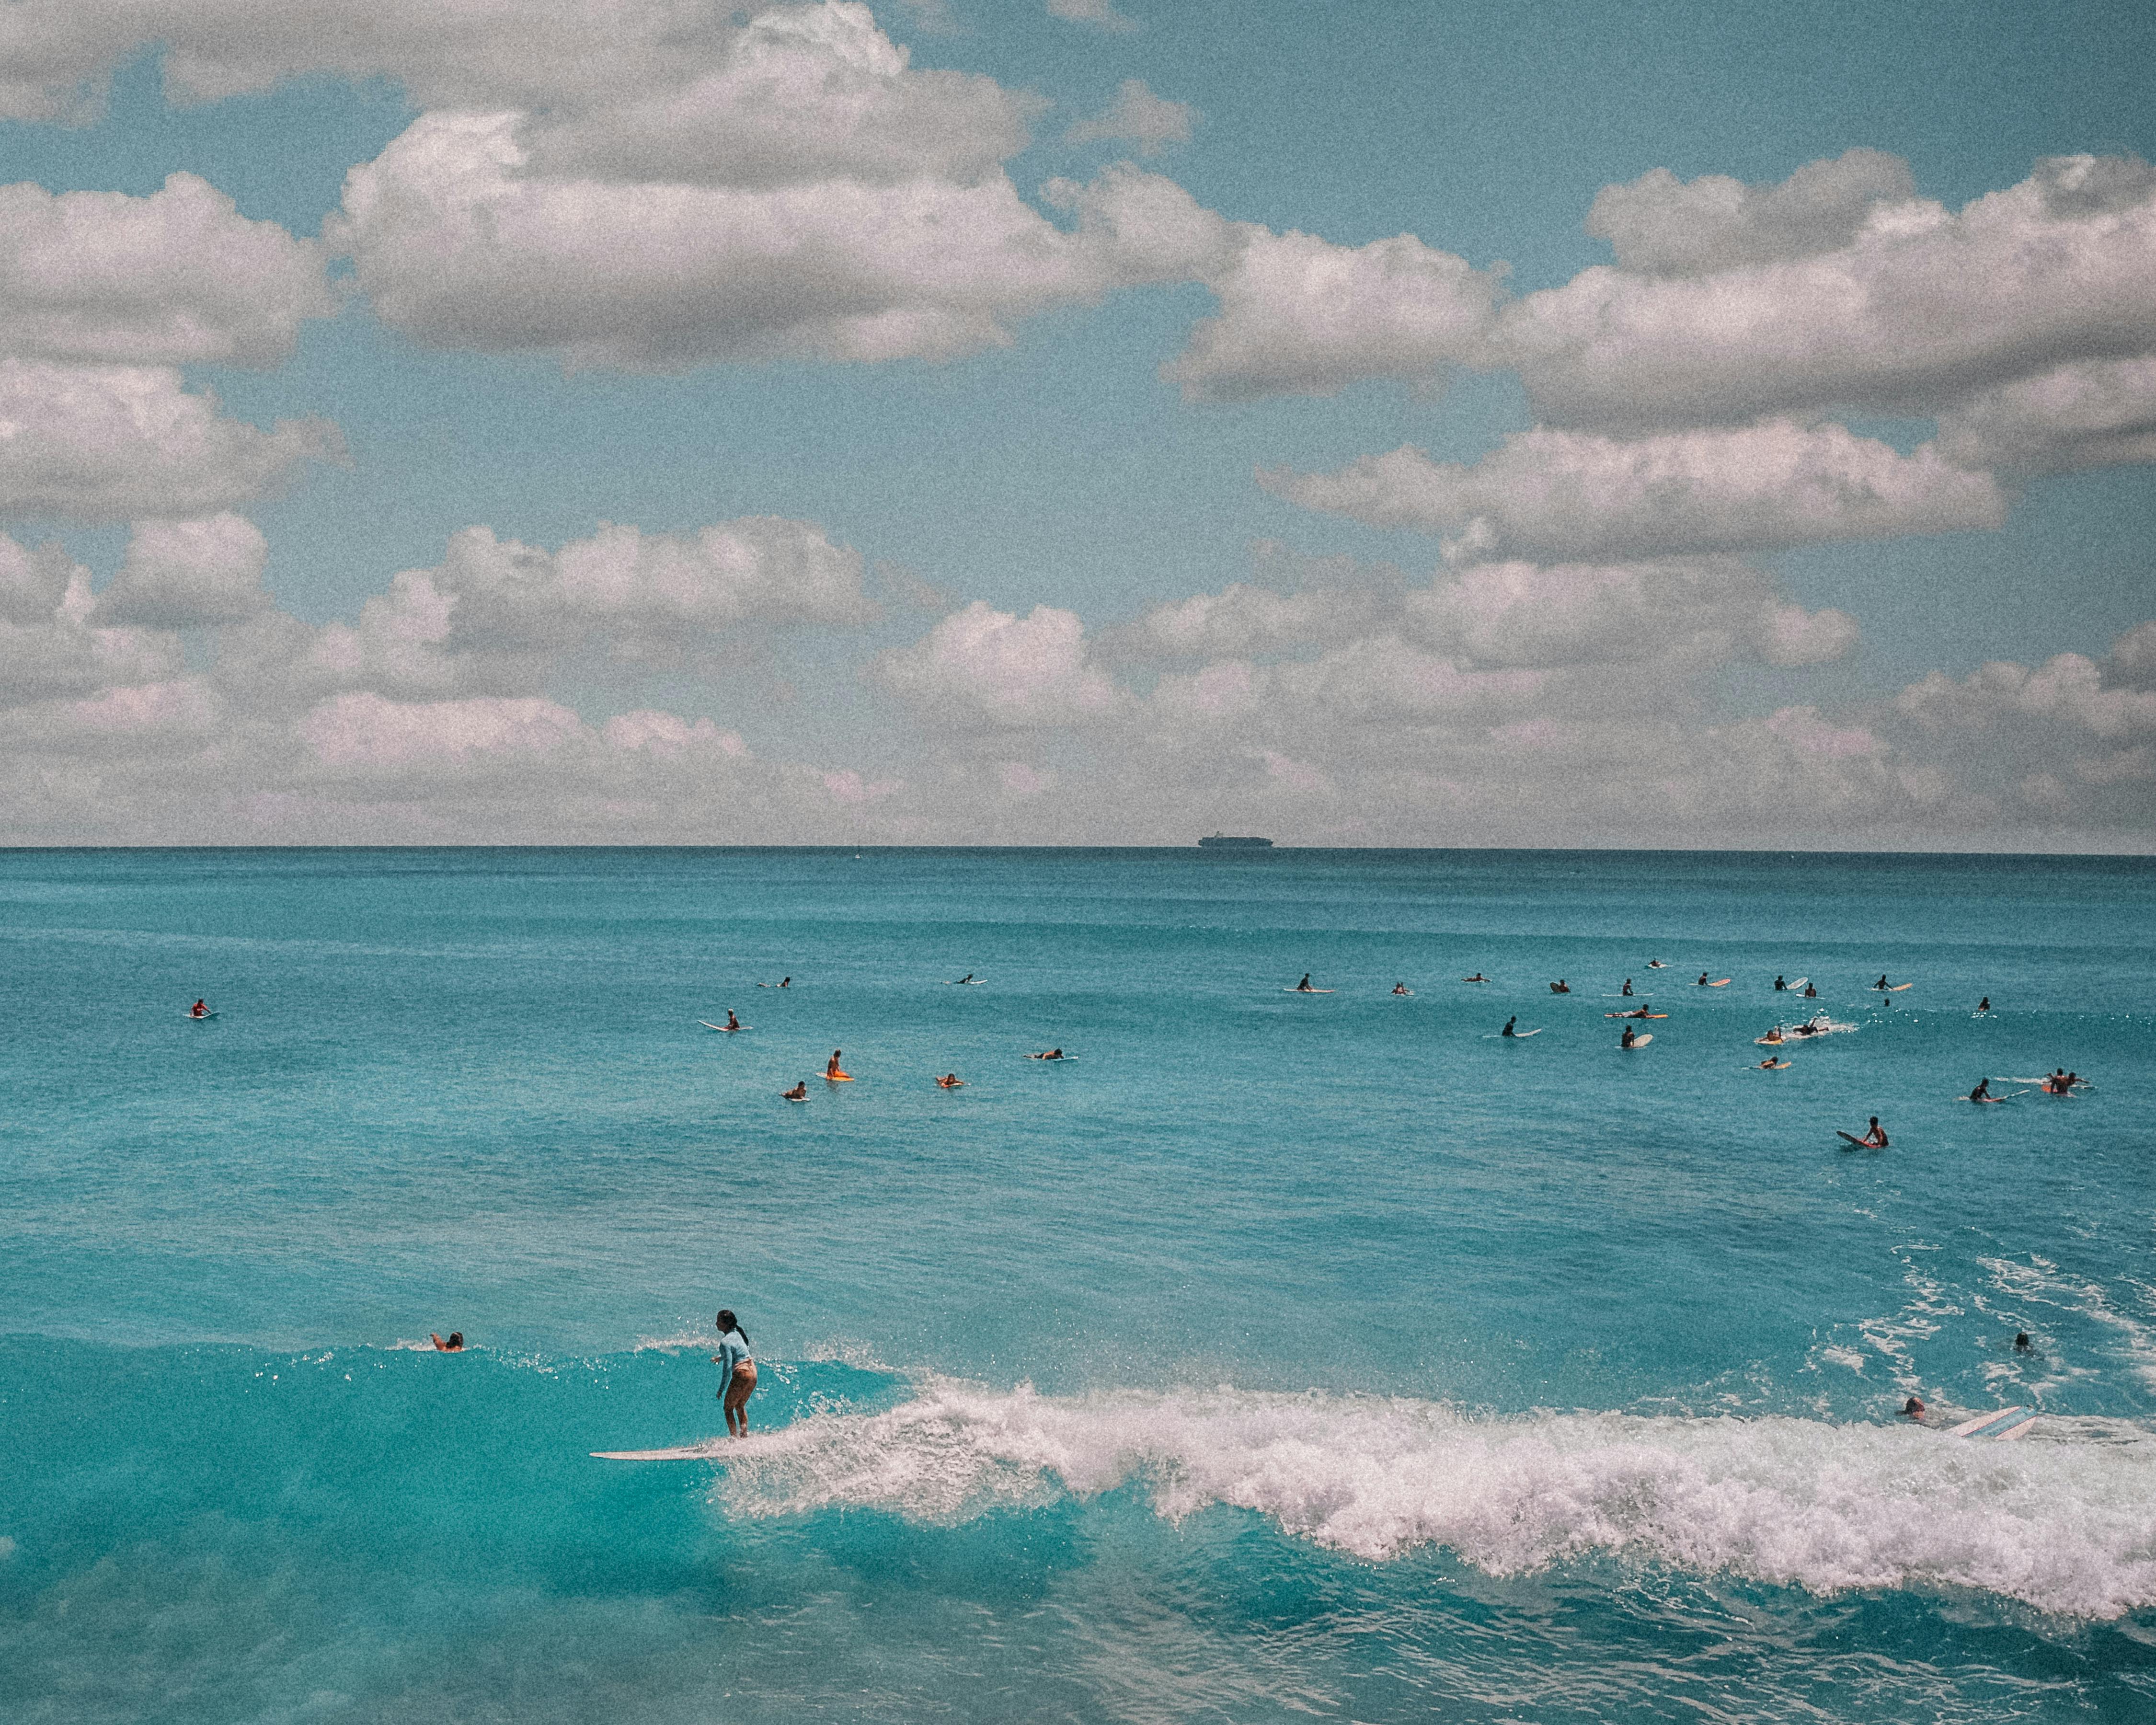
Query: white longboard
1305,991
706,1451
2005,1426
729,1028
197,1017
1522,1035
1639,1041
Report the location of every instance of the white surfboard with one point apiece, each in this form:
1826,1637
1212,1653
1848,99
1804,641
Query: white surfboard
708,1025
1639,1041
706,1451
1305,991
197,1017
2004,1424
1522,1035
963,982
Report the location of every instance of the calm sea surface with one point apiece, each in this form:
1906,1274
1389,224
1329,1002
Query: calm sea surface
1277,1357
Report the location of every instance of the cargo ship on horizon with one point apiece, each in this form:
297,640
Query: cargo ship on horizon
1222,841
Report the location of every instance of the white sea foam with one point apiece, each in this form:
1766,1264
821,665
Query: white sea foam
2066,1527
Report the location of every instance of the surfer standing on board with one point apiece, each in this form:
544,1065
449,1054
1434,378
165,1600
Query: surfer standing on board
736,1373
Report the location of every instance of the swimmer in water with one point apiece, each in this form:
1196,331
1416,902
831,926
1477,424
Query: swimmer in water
799,1093
1913,1408
836,1073
950,1080
736,1373
1629,1038
1627,988
1881,983
455,1344
1054,1054
1772,1064
1509,1023
1981,1093
1876,1139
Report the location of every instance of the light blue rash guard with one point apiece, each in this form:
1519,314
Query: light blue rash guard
733,1349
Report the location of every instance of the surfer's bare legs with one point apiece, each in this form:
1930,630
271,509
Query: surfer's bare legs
739,1388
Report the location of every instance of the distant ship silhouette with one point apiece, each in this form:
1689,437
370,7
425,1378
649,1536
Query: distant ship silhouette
1222,841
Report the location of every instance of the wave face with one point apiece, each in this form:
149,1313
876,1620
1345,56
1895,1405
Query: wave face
2067,1526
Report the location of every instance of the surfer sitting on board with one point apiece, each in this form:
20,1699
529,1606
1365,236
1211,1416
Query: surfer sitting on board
1881,983
1560,987
1630,1037
1701,983
1627,988
1054,1054
950,1080
1400,989
1508,1030
736,1373
799,1093
834,1072
200,1010
1981,1093
732,1023
1811,991
1303,987
455,1344
1875,1139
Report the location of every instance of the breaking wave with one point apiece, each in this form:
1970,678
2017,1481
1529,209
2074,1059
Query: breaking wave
2064,1523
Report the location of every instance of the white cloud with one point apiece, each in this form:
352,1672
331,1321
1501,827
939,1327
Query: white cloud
1100,14
1242,620
364,729
2094,413
112,443
49,645
1568,495
1660,225
1138,117
457,243
984,668
1301,316
1919,307
189,574
177,277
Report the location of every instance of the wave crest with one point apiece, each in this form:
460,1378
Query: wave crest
2064,1527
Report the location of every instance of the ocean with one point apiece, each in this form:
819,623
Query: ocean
1277,1356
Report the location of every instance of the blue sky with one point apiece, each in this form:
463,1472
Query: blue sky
1055,472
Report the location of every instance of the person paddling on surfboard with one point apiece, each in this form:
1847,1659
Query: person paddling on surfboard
736,1373
1054,1054
834,1072
799,1093
950,1080
1773,1063
1477,978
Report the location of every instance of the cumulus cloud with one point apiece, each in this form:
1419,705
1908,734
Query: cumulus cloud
190,574
1138,117
1101,15
111,442
177,277
1920,306
1660,225
1300,316
2094,413
50,644
984,668
1564,494
457,243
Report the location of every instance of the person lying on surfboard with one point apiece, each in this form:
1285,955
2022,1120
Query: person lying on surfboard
455,1344
1773,1063
950,1080
1054,1054
834,1072
1477,978
799,1093
1773,1035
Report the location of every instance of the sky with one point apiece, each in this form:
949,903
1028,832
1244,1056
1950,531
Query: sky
1077,422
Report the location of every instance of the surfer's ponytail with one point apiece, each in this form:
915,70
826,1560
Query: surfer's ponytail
728,1320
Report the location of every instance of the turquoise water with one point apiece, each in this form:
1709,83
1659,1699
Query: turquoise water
1279,1357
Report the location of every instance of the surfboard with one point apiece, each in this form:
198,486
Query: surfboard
1854,1139
1799,983
1640,1041
784,1097
1636,1016
1656,964
1522,1035
729,1028
837,1078
687,1452
1060,1061
963,982
1781,1041
1723,984
1898,986
1305,991
2006,1423
197,1017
